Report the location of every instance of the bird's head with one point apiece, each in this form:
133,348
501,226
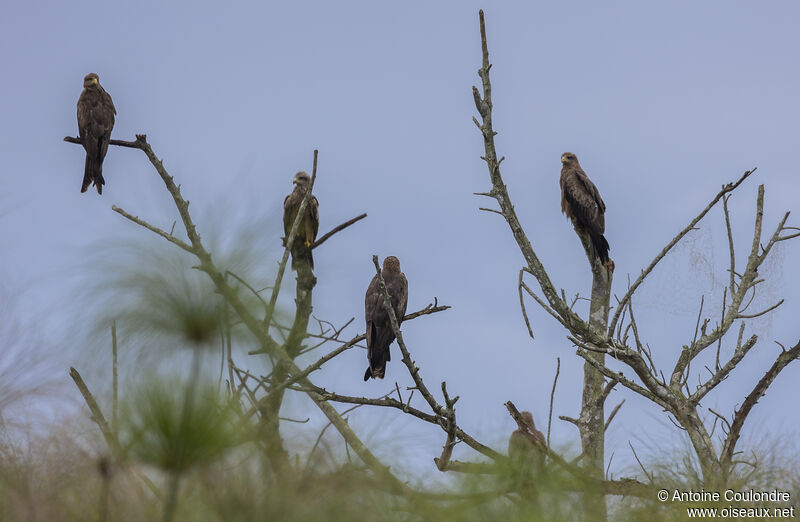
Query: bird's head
569,159
302,179
391,264
528,418
91,81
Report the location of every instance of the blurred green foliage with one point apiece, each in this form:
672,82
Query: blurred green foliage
161,425
227,478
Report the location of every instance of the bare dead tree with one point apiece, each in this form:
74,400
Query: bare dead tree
598,337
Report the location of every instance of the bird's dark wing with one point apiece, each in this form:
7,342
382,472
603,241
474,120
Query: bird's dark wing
587,207
289,210
400,296
95,122
314,204
104,117
379,331
585,202
311,221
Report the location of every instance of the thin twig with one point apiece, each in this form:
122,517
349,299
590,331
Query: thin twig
648,475
731,249
522,303
119,143
114,382
341,227
750,401
97,414
725,190
613,414
148,226
552,396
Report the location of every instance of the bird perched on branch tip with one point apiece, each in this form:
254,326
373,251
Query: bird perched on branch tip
306,232
581,202
95,120
379,328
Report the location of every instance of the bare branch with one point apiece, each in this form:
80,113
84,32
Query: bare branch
385,401
648,475
613,414
734,309
114,382
721,374
618,376
730,187
97,414
763,312
322,360
725,424
552,396
731,249
247,285
118,143
522,303
447,451
500,193
168,236
544,305
478,468
752,398
341,227
430,309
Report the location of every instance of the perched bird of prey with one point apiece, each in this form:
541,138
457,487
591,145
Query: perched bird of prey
581,201
379,328
95,120
521,448
527,461
309,223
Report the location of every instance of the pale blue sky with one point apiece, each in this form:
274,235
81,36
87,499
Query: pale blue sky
662,103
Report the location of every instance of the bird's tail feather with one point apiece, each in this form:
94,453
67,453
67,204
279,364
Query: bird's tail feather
377,372
601,246
93,173
99,181
87,174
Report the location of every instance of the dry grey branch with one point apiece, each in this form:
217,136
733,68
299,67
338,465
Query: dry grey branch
97,414
730,187
750,401
520,284
500,193
339,228
119,143
552,396
168,236
613,414
443,461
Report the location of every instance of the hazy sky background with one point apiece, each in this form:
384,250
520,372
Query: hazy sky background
662,103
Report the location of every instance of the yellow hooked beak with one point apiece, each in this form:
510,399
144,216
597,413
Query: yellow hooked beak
563,159
294,181
94,81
